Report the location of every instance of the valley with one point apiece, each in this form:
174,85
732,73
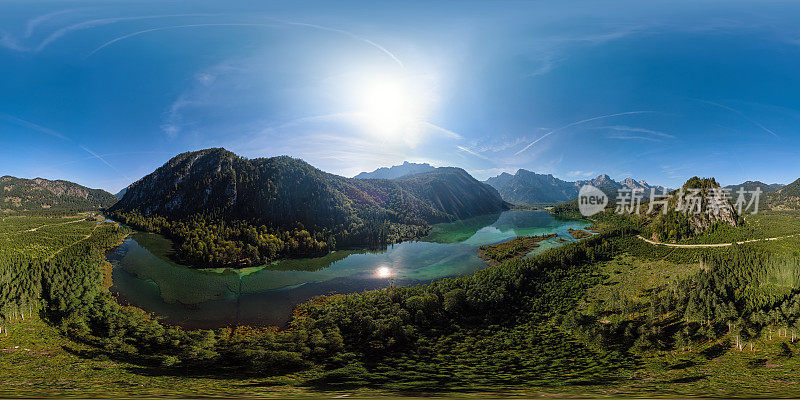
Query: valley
227,211
572,305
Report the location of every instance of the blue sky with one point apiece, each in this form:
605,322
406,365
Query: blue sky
102,93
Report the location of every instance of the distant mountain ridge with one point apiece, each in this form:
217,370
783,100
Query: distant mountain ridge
121,193
792,189
282,197
787,197
19,194
526,187
396,171
750,186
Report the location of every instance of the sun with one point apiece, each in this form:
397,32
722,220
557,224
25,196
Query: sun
389,107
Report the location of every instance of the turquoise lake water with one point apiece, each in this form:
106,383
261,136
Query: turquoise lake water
145,276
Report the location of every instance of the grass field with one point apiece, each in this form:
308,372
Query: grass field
41,237
631,281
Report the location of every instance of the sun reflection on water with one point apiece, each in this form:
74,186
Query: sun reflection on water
383,272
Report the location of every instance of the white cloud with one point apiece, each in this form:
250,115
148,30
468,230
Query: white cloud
205,78
637,133
9,42
474,153
582,174
35,22
547,52
576,123
59,33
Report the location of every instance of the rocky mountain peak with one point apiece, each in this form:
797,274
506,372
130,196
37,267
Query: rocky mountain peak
396,171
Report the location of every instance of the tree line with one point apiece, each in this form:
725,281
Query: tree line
209,242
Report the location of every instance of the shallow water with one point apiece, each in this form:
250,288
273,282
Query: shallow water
145,276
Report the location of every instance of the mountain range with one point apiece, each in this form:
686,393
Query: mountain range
19,194
396,171
787,197
225,201
750,186
526,187
279,190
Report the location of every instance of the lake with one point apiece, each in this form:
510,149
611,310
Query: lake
145,276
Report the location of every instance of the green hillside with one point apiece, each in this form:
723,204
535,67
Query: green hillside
42,195
787,197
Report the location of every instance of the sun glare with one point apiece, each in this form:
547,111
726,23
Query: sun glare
383,272
390,108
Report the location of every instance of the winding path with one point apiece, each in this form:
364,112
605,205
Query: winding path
73,244
698,246
62,223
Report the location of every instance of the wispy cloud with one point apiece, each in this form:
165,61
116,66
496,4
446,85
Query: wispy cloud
59,33
637,130
471,152
493,144
33,126
106,155
438,128
350,34
277,22
675,171
582,174
9,41
53,133
745,117
633,137
164,28
173,117
547,52
103,160
545,63
35,22
576,123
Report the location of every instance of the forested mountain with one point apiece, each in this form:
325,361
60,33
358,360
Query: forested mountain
788,197
224,209
39,194
526,187
750,186
396,171
693,210
791,190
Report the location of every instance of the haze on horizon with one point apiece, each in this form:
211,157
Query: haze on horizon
103,93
